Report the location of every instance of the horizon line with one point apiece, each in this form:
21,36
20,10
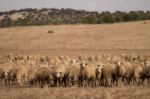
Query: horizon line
72,9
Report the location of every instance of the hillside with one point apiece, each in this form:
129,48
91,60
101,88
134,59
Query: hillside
45,16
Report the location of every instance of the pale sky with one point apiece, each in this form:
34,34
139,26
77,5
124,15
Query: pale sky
91,5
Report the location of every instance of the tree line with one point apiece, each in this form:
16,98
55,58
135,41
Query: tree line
47,16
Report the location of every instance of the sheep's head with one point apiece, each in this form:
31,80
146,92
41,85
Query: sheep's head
147,63
118,63
100,65
74,61
6,72
83,64
58,73
99,70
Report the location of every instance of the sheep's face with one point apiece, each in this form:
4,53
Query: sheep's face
100,66
98,73
147,63
119,63
58,73
73,61
99,70
3,73
6,73
83,64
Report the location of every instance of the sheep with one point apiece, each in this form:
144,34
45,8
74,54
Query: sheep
10,56
83,57
129,72
108,74
79,58
146,71
22,74
62,71
67,58
91,58
134,57
31,62
44,76
99,73
48,59
2,76
19,61
72,74
89,73
12,76
137,73
42,59
115,58
55,60
98,58
31,76
59,74
119,73
6,68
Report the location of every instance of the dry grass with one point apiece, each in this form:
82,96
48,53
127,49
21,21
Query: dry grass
77,39
108,36
124,92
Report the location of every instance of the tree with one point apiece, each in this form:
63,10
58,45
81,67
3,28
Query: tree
6,22
108,17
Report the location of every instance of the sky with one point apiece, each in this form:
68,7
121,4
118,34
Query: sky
90,5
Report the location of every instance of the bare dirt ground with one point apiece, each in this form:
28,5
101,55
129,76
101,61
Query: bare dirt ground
123,92
75,40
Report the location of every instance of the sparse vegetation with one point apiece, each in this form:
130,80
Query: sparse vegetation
68,16
128,92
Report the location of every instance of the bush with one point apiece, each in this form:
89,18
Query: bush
50,32
69,16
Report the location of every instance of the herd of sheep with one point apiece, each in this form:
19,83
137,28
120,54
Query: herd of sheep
82,71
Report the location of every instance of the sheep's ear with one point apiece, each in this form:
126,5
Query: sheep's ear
116,63
102,65
98,65
145,62
81,64
148,63
121,63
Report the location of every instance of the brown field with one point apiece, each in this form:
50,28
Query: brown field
123,92
75,40
66,39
